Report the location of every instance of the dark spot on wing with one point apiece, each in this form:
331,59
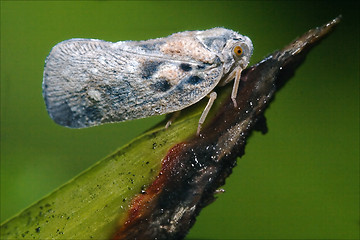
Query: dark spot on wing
61,114
185,67
151,46
149,68
161,86
147,46
194,80
180,87
93,113
200,66
118,95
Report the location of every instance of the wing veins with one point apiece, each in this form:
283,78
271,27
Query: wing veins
161,57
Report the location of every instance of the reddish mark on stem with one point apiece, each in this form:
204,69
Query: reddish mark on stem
143,203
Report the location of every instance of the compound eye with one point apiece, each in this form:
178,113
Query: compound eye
238,51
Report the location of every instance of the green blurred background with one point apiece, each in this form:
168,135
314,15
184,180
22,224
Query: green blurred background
301,180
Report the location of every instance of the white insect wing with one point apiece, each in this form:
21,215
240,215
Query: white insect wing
88,82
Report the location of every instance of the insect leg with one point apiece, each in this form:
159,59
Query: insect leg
236,86
212,98
172,118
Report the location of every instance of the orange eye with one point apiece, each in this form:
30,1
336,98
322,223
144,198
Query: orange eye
238,50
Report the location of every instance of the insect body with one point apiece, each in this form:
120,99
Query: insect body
88,82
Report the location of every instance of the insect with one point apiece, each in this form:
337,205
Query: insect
88,82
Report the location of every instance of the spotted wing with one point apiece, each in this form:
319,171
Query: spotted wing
88,82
